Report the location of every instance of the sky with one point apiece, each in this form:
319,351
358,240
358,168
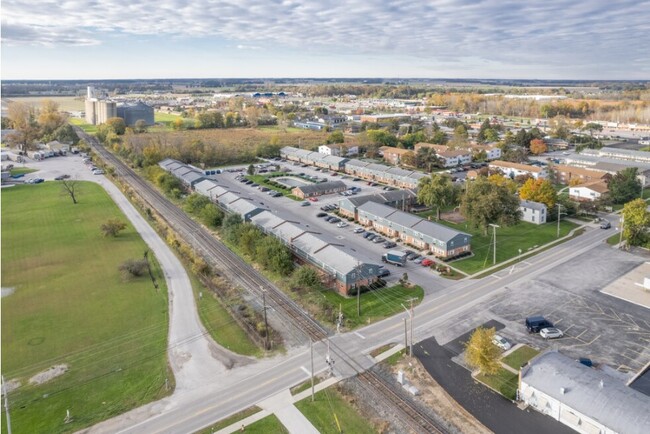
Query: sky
515,39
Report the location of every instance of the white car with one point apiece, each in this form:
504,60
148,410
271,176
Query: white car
551,333
501,342
342,224
358,230
98,172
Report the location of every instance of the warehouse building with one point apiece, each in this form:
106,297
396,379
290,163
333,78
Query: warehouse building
586,399
312,190
133,112
440,240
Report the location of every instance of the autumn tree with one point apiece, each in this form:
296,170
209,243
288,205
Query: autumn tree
481,353
437,191
539,190
116,125
23,121
484,203
624,186
504,181
635,222
408,159
112,227
537,146
50,118
70,187
335,137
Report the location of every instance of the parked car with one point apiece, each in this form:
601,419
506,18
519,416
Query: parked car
335,220
384,272
605,225
535,323
408,252
313,199
419,260
551,333
264,189
378,240
61,177
98,172
305,203
370,236
389,244
358,230
426,262
35,181
501,342
254,185
413,256
276,194
321,214
342,225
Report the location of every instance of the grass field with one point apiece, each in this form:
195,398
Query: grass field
614,239
219,323
520,356
81,123
332,413
66,103
21,171
504,382
510,239
165,118
71,306
263,180
230,420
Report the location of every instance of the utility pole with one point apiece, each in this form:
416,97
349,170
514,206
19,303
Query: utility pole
559,207
620,238
311,353
494,241
406,339
266,324
357,277
411,314
4,389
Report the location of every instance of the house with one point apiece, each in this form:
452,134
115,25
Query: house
570,174
589,191
393,155
338,150
321,189
586,399
454,157
440,240
533,212
516,169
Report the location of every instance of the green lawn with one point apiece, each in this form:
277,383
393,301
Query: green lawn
510,239
218,321
375,305
81,123
305,385
230,420
520,357
263,180
21,171
165,118
614,239
269,425
71,306
504,382
331,413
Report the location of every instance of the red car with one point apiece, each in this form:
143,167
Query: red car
313,199
427,262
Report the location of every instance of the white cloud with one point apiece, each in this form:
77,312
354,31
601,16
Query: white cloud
552,33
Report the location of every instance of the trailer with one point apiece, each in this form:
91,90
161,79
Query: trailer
394,257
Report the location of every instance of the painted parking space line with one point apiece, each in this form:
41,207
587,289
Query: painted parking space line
359,334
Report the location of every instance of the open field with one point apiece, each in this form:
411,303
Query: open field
332,413
510,239
66,103
71,306
81,123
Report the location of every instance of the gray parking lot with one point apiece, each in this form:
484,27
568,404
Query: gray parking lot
604,328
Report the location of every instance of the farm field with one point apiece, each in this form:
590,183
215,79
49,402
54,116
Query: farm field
65,303
66,103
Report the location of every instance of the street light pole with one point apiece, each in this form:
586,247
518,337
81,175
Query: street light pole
494,238
559,207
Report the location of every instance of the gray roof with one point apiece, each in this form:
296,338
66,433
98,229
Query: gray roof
322,187
167,161
357,163
532,205
267,220
436,230
384,197
618,407
205,186
624,153
192,176
376,209
243,207
606,164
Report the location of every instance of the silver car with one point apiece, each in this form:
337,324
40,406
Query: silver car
551,333
501,342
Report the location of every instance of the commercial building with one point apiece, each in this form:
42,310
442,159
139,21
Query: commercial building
592,161
533,212
586,399
312,190
440,240
516,169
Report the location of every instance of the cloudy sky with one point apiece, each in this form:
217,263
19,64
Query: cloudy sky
549,39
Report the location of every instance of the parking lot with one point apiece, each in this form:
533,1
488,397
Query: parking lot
362,248
595,325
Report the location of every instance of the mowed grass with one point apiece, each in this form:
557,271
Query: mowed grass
510,239
504,382
21,171
269,425
81,123
70,305
332,413
520,356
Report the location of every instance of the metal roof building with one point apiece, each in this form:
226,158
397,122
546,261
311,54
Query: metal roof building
401,199
586,399
319,189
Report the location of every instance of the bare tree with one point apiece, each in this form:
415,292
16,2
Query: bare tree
70,187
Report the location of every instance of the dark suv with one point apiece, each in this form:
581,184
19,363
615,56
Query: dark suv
535,323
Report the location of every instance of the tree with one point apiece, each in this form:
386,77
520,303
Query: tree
50,118
112,227
66,134
134,268
504,181
69,187
484,203
636,221
140,126
591,127
116,125
336,137
481,132
408,159
539,190
437,191
537,146
251,169
382,138
481,353
624,186
22,119
306,277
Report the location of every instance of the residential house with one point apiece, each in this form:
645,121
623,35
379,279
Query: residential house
570,174
516,169
393,155
454,157
589,191
400,199
533,212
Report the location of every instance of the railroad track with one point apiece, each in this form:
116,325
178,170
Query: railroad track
248,278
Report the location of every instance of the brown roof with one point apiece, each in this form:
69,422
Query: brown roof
391,150
453,153
579,171
598,185
526,167
438,148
